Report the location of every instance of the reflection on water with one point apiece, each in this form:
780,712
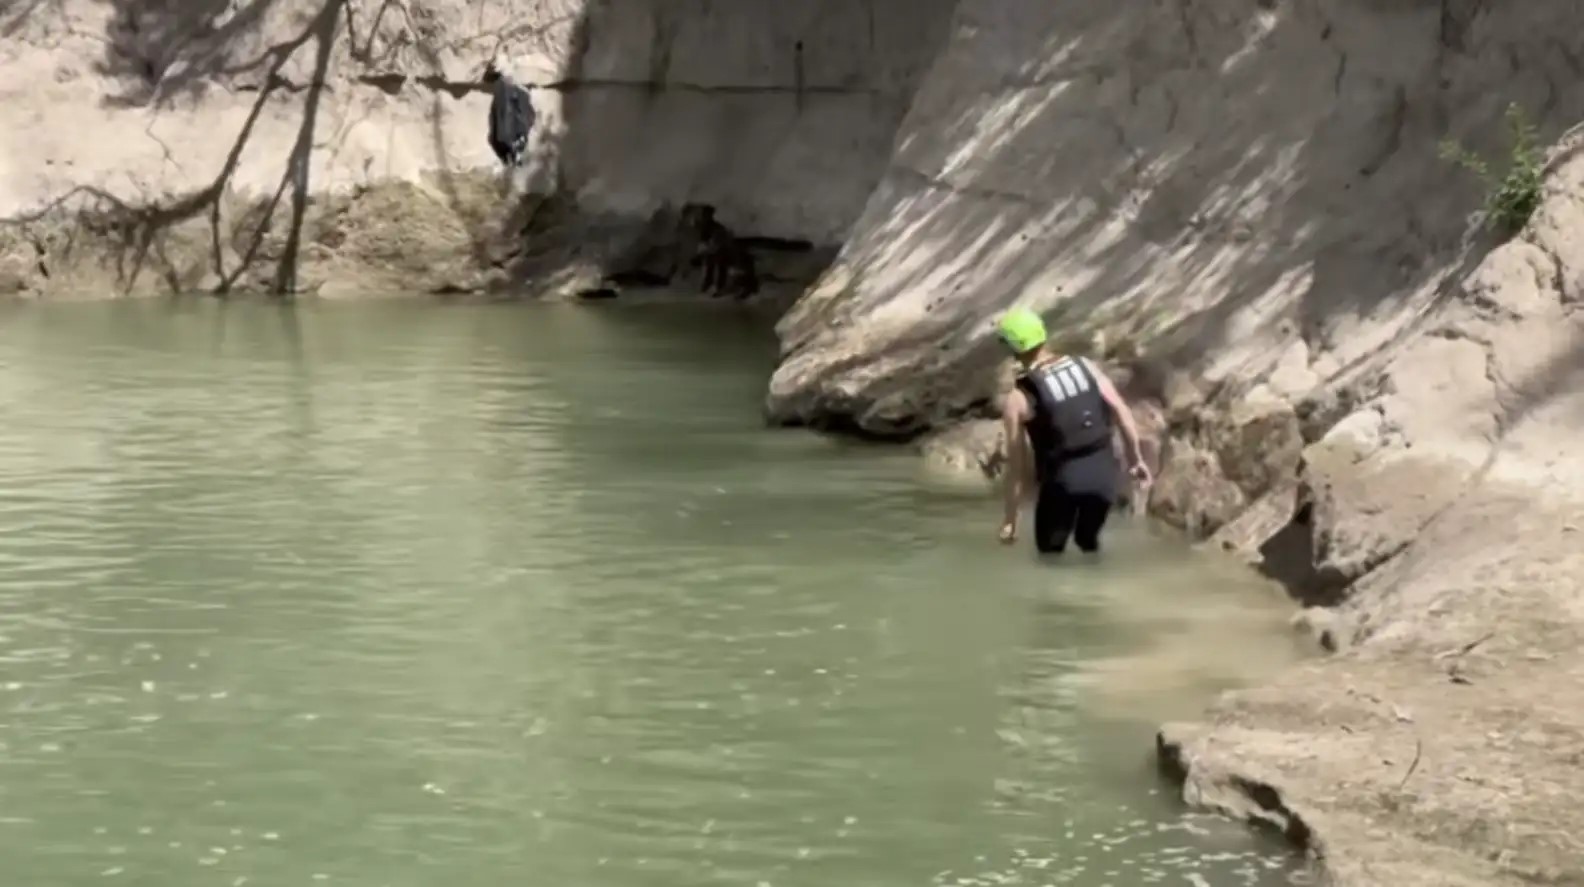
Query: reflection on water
407,595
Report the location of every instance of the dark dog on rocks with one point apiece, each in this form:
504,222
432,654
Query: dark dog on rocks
728,265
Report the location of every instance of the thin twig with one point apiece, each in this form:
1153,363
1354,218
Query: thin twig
1466,648
1418,752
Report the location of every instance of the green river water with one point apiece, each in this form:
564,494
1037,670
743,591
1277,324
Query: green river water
408,594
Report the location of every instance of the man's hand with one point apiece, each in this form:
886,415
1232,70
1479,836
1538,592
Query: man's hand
1141,473
1012,413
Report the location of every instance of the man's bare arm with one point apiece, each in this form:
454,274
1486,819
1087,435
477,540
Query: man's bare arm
1017,451
1122,412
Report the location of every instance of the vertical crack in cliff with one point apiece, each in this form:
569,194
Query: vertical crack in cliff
42,252
363,54
1397,118
1190,35
1135,156
1558,268
662,42
1457,18
1570,57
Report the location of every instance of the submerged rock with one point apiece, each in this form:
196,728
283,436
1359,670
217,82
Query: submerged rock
977,446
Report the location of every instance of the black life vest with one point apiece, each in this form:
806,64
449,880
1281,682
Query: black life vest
1070,418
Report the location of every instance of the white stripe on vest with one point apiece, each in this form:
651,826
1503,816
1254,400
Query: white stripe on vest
1063,379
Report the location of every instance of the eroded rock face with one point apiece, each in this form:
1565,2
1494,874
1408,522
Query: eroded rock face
1193,492
1245,190
1430,750
1219,462
1258,442
20,272
162,136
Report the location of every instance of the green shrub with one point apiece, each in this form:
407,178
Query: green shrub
1511,199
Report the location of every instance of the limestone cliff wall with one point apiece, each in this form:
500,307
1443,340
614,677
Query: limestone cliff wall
781,114
1238,185
173,121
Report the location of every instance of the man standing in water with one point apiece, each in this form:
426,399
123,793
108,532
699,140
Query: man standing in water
1060,413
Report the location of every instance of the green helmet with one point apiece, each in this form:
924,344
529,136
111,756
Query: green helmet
1022,330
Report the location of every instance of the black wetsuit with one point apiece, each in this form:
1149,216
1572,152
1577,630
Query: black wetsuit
1070,433
511,116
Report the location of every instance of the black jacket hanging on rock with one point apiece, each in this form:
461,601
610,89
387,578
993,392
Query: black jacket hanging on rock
511,116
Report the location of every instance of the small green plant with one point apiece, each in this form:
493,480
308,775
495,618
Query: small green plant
1511,199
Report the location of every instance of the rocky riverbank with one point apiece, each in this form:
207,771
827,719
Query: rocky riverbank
1427,512
1361,392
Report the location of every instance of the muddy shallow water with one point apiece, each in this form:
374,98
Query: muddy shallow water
401,594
